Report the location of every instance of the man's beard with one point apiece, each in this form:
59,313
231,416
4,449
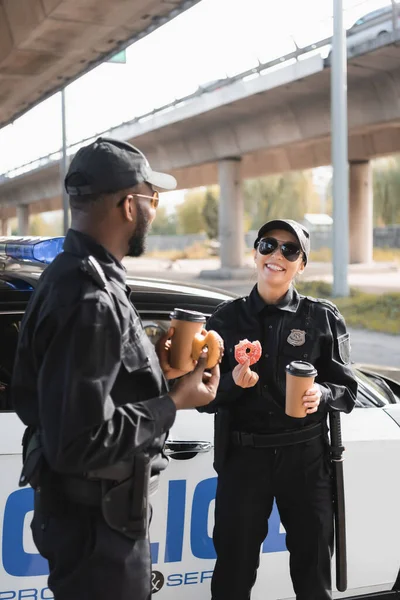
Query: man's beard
137,243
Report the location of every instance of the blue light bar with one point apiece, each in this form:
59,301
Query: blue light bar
31,249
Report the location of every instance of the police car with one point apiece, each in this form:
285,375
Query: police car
181,531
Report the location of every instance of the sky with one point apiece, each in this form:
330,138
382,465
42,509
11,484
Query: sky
212,40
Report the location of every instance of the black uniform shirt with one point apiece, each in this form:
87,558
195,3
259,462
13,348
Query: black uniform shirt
298,328
85,371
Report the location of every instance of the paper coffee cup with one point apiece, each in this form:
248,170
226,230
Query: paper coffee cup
300,377
186,324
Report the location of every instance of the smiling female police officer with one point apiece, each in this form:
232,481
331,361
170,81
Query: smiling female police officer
261,453
88,384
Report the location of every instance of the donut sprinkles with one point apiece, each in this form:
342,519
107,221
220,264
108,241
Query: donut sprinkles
246,350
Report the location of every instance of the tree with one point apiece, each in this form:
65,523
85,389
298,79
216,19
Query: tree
42,227
210,214
289,195
189,213
386,184
163,224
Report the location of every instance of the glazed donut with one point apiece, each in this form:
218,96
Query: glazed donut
214,344
246,350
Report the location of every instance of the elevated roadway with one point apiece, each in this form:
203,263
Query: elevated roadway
271,121
45,44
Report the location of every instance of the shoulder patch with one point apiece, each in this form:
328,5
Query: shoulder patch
92,268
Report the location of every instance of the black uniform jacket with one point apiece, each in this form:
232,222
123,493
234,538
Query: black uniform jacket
85,372
298,328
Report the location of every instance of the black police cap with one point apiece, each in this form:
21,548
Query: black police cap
299,231
108,165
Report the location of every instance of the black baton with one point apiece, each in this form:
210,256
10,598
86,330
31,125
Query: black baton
339,501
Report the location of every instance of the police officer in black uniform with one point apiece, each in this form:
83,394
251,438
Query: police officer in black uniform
260,452
88,384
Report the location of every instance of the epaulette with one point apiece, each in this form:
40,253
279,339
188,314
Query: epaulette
327,303
91,267
227,303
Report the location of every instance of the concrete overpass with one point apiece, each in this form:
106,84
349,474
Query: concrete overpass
261,123
45,44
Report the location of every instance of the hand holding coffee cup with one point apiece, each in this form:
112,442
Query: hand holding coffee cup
163,349
302,395
186,342
185,325
312,399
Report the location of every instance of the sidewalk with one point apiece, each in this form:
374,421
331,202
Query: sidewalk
372,278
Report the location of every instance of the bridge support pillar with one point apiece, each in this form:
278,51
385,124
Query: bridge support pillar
231,214
361,212
5,227
23,219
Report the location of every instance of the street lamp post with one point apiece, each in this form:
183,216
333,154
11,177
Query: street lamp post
394,14
64,163
339,134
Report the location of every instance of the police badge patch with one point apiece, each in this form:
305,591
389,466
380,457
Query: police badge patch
297,337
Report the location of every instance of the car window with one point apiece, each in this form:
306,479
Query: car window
9,329
372,15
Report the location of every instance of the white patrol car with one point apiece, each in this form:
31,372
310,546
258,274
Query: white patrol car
181,530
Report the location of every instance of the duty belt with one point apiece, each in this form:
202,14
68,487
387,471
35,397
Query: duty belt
89,493
276,440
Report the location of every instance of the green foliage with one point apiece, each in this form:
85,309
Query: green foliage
289,195
377,312
210,215
163,224
40,226
189,214
386,182
317,289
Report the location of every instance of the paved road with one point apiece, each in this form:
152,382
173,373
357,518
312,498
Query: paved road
374,348
368,347
374,278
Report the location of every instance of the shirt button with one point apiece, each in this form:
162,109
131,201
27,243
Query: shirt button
269,326
305,355
265,387
267,356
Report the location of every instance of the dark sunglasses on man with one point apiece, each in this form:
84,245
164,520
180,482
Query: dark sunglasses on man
289,250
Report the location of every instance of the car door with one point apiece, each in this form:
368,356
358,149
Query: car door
23,572
181,528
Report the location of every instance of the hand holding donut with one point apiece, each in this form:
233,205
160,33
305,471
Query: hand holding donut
246,350
212,343
246,353
243,376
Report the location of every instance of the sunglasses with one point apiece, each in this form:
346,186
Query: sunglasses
154,199
289,250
